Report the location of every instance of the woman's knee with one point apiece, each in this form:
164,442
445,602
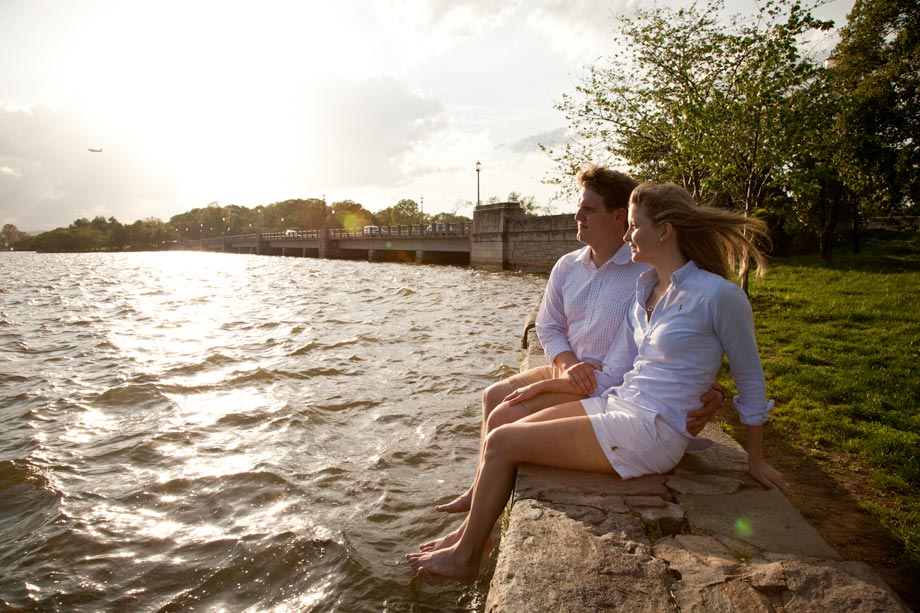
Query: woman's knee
497,443
504,414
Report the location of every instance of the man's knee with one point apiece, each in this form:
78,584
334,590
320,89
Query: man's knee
493,396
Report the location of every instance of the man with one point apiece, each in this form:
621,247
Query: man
583,306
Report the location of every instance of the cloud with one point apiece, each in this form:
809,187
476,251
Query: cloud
328,135
359,133
578,28
431,27
49,178
532,143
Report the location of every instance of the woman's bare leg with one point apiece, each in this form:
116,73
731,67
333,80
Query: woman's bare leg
560,437
497,416
502,415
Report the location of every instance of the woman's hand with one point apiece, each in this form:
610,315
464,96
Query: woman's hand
524,393
768,476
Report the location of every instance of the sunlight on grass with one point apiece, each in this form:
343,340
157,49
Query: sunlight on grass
840,347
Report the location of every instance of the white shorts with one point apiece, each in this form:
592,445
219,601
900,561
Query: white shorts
637,441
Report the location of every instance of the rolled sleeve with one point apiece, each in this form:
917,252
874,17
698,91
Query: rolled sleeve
752,415
734,323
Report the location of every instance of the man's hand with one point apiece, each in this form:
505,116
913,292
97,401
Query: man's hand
711,400
581,377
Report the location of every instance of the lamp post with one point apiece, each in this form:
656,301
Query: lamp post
478,168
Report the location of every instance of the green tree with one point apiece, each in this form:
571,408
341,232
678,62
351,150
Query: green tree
874,67
445,217
10,234
404,212
699,100
528,204
350,215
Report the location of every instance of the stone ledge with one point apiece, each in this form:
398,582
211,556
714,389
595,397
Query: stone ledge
703,538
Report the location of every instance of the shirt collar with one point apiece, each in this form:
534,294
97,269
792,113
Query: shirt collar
683,272
650,276
621,257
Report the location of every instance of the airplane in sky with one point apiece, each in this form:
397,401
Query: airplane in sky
99,150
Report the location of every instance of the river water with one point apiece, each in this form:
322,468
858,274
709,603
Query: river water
233,432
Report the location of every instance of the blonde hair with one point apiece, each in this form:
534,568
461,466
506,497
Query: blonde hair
717,240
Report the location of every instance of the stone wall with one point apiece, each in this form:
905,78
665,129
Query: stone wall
489,246
503,238
535,243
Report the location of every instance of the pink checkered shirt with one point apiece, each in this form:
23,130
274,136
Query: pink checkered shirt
584,305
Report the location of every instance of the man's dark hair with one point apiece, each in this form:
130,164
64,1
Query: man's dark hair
613,186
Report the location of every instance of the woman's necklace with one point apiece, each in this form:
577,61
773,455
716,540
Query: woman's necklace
653,301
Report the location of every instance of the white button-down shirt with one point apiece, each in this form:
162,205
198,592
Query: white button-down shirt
667,362
584,306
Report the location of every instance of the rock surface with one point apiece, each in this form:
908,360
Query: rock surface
585,542
705,538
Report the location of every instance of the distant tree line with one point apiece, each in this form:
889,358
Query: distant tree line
737,111
214,220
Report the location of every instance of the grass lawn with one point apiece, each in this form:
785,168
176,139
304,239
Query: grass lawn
840,348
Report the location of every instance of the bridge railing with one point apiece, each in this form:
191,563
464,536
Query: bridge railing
454,229
433,230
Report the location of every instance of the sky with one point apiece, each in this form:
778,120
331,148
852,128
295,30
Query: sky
250,103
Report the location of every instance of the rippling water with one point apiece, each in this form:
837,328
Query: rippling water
232,432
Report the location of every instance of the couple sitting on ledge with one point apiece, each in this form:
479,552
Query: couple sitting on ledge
635,325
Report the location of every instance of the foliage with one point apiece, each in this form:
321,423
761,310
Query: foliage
11,234
404,212
815,193
875,65
448,218
214,220
528,204
730,108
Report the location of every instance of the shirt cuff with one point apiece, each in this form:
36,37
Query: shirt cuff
554,348
752,416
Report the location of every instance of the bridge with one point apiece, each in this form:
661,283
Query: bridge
438,243
500,236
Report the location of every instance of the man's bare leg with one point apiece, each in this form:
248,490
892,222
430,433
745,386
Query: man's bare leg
560,437
499,414
492,396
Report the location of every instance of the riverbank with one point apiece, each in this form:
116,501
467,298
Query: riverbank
705,537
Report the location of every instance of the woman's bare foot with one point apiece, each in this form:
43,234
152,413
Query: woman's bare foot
442,543
449,539
460,504
443,565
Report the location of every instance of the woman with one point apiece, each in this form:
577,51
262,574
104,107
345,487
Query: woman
687,316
